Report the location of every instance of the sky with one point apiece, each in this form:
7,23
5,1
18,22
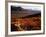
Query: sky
28,6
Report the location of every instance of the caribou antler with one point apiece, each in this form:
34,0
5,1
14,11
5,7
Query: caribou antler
18,25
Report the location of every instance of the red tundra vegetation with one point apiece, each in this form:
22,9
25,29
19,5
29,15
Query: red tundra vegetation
26,24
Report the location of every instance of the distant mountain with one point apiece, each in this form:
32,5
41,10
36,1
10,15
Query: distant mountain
13,8
20,12
18,8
